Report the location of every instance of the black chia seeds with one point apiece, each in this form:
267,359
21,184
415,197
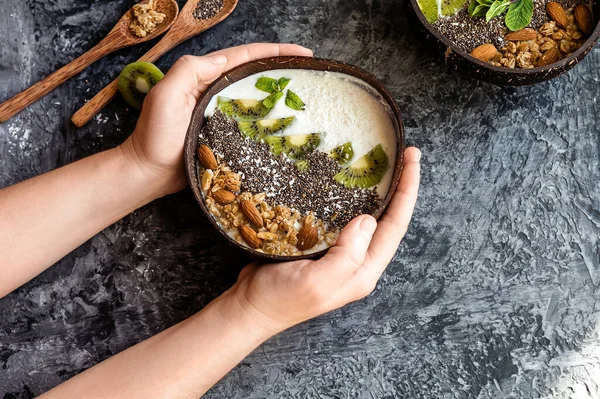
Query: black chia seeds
468,33
278,177
207,9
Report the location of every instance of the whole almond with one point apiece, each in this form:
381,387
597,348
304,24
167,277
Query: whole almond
223,196
250,236
485,52
584,19
558,14
549,57
307,237
251,213
207,158
522,35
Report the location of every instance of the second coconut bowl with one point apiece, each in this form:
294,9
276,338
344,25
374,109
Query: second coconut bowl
461,61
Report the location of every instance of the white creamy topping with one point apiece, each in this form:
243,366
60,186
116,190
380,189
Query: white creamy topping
339,105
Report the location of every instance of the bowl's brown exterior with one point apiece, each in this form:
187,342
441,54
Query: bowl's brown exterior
456,59
236,74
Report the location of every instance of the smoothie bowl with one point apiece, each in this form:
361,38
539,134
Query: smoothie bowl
510,42
283,152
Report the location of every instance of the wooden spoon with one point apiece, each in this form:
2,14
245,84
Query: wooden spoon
185,27
119,37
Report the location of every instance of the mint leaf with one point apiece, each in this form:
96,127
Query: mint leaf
472,7
519,15
282,83
480,11
266,84
487,8
293,101
497,8
270,101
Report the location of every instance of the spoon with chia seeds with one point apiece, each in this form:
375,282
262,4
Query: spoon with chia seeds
144,21
196,17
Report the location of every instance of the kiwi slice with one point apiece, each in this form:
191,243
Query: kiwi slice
302,165
429,8
295,146
343,153
451,7
433,9
366,172
260,129
136,80
242,110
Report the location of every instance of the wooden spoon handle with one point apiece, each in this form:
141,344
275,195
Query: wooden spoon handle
11,107
100,100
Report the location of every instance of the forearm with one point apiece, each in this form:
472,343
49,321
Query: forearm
43,219
183,361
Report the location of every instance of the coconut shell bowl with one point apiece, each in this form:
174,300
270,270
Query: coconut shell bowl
277,63
468,64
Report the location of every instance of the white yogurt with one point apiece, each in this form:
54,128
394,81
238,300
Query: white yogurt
342,107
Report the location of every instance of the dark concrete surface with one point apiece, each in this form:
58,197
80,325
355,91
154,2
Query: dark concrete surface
493,293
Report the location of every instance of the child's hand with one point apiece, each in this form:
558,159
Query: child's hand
156,146
277,296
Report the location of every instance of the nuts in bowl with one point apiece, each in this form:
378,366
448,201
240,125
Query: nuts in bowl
282,153
510,42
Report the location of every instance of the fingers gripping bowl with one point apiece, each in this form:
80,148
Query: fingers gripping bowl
283,152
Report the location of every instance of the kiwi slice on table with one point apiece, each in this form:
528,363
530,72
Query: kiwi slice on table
366,172
260,129
295,146
136,80
242,110
343,153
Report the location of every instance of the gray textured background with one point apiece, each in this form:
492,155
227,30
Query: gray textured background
494,292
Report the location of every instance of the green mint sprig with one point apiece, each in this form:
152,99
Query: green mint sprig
497,8
271,85
519,15
518,12
272,99
293,101
275,89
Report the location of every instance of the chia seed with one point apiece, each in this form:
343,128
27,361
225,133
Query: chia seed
467,32
207,9
284,184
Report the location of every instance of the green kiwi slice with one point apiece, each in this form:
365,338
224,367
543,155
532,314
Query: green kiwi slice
343,153
366,172
260,129
242,110
136,80
296,146
451,7
433,9
302,165
429,8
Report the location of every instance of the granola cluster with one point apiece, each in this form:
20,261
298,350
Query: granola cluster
281,225
146,19
552,39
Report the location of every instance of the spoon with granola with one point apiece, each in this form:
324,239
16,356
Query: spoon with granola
195,17
144,21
